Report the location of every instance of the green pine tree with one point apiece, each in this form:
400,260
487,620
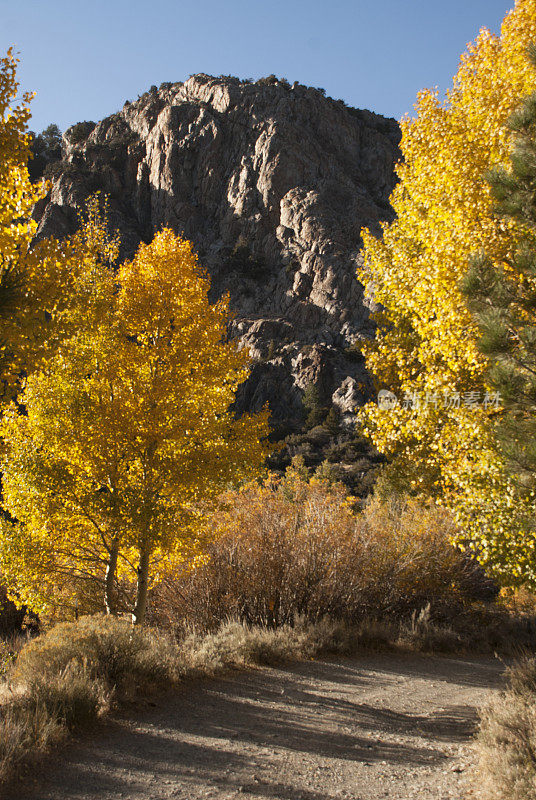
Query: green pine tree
314,406
503,301
332,422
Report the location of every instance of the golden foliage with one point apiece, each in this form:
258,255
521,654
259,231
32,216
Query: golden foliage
17,198
426,343
127,427
17,195
44,286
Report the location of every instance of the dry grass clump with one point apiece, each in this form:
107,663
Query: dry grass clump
296,548
506,743
25,734
420,634
129,660
235,644
70,676
35,716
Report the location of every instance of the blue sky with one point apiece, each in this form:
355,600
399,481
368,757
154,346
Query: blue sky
84,59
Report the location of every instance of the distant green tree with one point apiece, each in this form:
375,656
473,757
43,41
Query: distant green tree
314,406
45,148
332,422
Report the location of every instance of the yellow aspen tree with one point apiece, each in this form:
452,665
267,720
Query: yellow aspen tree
17,198
425,352
426,341
127,429
42,294
71,288
17,194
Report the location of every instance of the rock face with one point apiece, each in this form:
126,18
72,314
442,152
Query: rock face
273,184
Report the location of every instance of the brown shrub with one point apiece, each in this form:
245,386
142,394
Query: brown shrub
506,743
69,676
294,548
128,660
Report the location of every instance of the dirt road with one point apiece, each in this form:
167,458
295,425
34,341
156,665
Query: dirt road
374,727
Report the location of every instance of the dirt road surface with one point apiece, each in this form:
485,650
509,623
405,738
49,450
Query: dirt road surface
396,726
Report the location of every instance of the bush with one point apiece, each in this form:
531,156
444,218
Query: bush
356,461
79,132
72,697
294,548
506,743
69,677
242,260
128,660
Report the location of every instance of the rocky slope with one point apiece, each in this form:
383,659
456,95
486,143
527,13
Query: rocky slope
273,183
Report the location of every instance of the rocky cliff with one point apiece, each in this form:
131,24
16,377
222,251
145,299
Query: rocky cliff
273,183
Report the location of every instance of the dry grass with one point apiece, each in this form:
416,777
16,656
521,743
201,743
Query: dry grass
236,645
77,672
506,744
41,713
70,677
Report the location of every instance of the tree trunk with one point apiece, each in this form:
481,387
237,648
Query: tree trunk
109,578
138,615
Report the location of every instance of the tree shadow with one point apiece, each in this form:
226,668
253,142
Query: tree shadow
480,672
233,734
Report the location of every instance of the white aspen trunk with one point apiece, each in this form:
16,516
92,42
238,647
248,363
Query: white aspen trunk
109,578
